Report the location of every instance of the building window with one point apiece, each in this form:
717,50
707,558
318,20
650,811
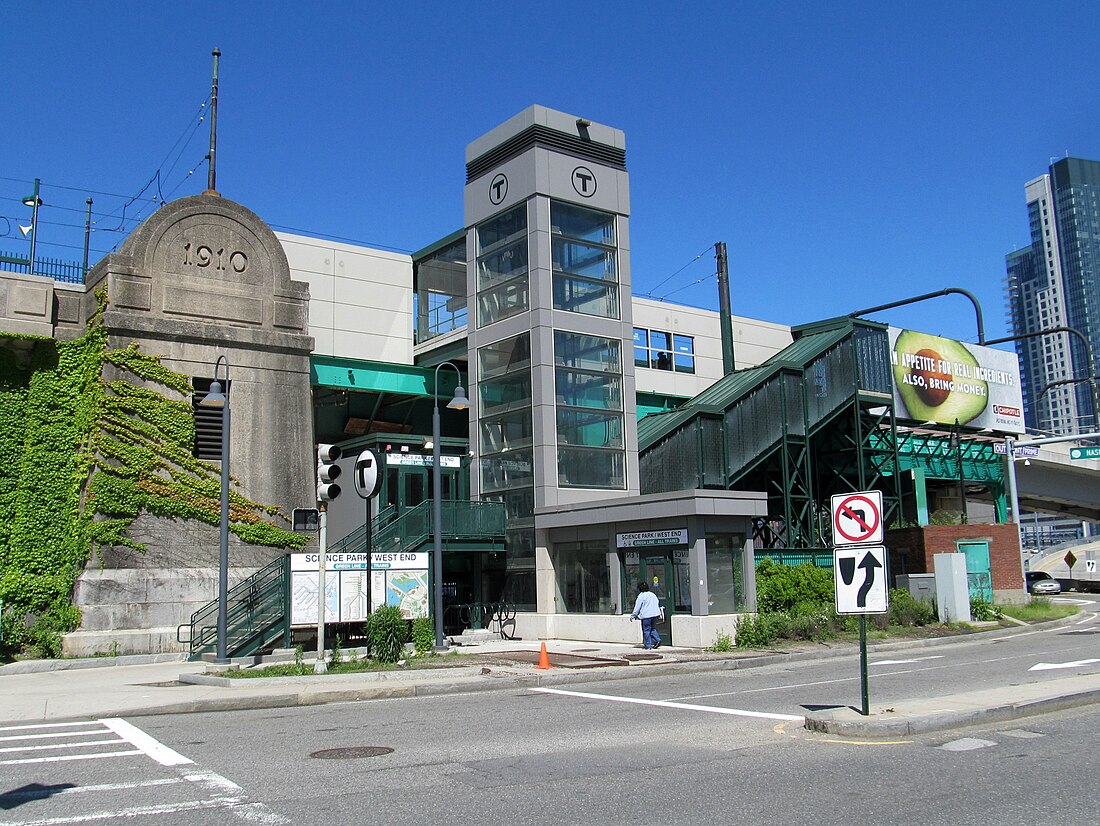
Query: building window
660,350
725,554
439,298
502,266
583,250
583,577
504,426
589,411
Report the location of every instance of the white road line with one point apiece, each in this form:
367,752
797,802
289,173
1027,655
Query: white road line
136,737
1053,666
666,704
137,811
211,781
906,662
39,794
51,736
48,725
55,746
66,757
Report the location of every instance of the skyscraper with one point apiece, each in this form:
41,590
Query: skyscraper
1055,282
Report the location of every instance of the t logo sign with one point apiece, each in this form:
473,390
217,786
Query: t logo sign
498,188
584,181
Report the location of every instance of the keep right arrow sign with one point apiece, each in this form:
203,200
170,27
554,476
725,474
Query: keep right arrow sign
860,575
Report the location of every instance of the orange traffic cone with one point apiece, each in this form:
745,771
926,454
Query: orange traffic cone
544,658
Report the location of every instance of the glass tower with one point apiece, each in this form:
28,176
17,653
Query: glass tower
548,282
1055,282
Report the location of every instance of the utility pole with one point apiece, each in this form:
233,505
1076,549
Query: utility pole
87,233
726,316
211,176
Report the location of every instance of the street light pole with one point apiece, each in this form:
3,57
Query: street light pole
956,442
34,202
218,398
459,402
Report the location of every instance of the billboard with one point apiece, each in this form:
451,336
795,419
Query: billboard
943,380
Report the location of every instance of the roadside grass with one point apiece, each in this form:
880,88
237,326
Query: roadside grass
1039,609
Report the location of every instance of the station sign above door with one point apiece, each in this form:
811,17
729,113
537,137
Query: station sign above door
646,539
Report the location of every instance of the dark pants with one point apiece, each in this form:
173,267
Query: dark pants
650,637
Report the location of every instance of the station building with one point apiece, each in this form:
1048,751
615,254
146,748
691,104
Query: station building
560,500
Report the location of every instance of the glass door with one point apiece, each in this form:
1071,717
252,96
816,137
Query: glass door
655,569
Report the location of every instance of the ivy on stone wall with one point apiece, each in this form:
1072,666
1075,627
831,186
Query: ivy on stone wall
84,456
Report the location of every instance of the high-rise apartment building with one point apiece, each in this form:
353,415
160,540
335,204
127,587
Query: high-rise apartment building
1055,282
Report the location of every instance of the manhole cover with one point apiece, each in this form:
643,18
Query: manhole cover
351,752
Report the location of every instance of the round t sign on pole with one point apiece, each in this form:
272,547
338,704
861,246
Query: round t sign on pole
857,518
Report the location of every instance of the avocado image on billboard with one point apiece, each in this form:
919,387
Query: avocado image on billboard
924,374
943,380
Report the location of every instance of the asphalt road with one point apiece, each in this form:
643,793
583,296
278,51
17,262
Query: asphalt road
705,748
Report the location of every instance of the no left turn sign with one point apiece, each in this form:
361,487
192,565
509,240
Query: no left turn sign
857,518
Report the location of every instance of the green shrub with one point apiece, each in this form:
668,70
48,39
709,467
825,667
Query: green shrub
782,587
777,625
388,634
752,631
982,611
423,634
814,627
905,610
723,642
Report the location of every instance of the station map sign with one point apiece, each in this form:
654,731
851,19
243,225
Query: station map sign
399,579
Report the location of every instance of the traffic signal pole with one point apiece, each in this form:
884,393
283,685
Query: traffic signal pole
320,667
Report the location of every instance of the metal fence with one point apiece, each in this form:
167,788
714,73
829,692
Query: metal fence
68,272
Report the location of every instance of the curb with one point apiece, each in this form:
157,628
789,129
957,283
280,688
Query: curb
39,666
849,723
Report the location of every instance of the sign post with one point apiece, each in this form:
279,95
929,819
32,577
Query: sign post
368,481
859,567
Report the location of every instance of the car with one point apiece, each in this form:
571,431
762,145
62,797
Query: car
1041,583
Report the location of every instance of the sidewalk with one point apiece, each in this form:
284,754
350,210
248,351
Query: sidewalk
54,691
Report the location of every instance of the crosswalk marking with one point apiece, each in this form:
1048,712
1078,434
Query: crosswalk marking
136,737
79,745
62,758
33,741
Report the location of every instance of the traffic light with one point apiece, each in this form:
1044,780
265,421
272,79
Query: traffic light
327,472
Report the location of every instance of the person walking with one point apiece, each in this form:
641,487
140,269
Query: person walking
648,610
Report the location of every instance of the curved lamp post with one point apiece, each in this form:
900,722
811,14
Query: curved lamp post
459,402
34,202
219,398
956,444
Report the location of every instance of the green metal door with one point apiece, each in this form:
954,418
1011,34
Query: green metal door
979,577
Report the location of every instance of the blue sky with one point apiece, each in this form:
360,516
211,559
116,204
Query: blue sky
849,154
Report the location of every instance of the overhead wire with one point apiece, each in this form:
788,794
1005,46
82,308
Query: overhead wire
669,278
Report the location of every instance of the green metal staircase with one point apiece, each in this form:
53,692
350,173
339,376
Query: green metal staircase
258,616
814,420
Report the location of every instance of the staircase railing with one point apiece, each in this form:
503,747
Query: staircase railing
460,520
258,615
353,542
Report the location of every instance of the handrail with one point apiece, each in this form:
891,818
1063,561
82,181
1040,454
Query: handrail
257,614
459,520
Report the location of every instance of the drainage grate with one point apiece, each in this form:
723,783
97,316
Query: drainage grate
351,752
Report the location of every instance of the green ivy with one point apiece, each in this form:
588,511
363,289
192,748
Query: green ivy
84,456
